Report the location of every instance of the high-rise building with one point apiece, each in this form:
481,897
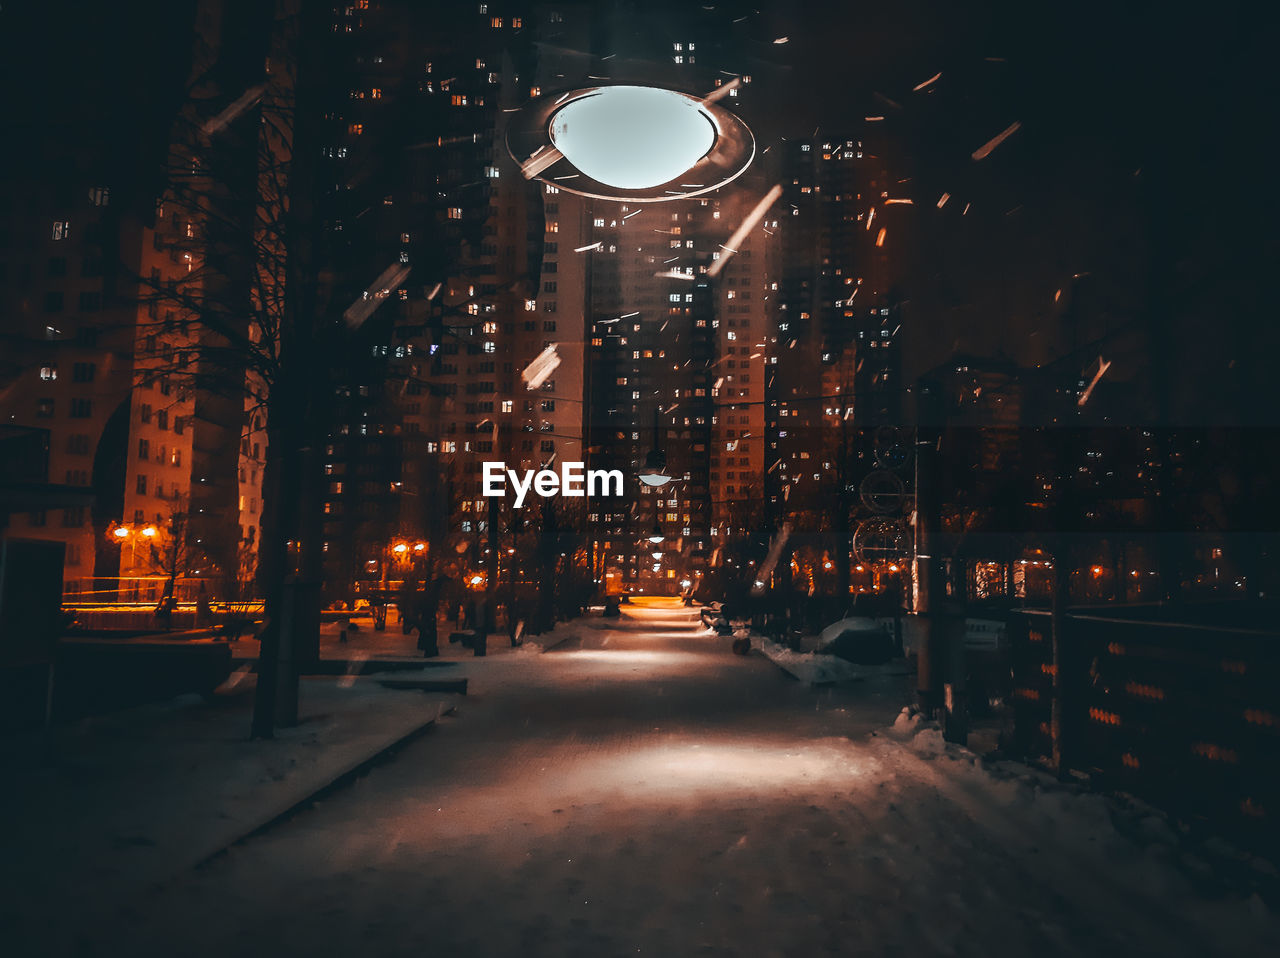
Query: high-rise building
835,367
67,358
145,396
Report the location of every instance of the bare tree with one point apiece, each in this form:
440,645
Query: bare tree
223,314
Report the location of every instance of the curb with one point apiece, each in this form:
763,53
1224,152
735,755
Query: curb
559,642
335,783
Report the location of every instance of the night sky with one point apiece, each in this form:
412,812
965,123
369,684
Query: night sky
1139,163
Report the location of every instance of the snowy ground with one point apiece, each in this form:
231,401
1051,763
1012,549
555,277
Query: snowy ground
99,811
641,790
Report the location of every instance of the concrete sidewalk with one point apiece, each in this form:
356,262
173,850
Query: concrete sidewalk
99,811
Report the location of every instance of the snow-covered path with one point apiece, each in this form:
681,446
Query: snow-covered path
643,791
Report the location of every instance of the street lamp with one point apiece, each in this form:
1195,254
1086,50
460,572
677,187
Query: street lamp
654,471
628,142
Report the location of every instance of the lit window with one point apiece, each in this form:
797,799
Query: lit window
355,129
496,22
455,212
61,229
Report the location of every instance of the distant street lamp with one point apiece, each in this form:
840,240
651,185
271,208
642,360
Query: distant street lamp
653,472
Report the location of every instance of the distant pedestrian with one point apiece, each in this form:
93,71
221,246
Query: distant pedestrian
204,609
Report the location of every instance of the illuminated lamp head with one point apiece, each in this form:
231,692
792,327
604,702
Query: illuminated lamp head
633,137
628,142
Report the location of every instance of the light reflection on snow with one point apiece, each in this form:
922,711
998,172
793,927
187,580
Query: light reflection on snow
689,768
626,657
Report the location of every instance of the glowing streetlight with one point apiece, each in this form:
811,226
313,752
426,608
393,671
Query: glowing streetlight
630,142
121,532
400,548
633,137
150,532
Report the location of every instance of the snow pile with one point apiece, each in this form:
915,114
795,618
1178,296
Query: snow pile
1209,882
810,667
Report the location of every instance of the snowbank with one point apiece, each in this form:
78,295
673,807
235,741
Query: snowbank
1208,881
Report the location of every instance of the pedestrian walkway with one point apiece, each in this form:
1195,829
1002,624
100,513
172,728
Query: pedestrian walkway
641,790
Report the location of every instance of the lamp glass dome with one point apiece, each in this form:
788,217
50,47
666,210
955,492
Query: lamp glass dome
633,137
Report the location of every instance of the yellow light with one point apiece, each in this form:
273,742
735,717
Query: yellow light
400,547
893,568
121,532
150,532
419,546
477,579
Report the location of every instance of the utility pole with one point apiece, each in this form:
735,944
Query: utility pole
488,612
928,663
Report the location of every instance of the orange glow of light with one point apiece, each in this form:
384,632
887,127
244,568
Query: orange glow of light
880,236
150,532
419,547
400,548
121,532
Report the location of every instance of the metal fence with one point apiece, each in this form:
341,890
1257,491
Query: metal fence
134,590
1184,716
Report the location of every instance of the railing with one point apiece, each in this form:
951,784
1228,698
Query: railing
1184,716
139,590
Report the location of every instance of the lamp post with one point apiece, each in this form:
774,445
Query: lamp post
126,533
